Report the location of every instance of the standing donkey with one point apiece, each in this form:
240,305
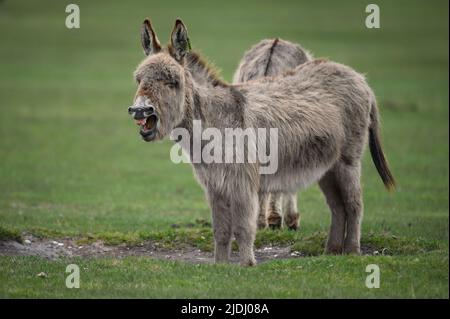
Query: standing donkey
267,58
324,112
271,57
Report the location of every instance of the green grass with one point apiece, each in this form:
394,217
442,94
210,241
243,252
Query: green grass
72,164
314,277
10,234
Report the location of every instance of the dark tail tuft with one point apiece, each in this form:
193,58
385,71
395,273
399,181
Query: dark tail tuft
377,152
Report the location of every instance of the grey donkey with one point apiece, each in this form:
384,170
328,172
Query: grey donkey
271,57
324,111
267,58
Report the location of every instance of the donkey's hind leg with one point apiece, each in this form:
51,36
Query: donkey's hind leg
330,188
291,215
349,179
262,214
275,216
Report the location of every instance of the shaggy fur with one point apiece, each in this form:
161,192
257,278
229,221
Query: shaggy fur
272,57
268,58
323,111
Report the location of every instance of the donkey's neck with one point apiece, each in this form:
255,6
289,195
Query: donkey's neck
219,107
203,72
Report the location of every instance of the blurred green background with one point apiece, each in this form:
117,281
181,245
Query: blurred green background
71,160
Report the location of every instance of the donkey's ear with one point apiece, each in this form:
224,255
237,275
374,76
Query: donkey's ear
180,40
149,40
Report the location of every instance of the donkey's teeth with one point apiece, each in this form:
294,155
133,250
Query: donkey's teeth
140,122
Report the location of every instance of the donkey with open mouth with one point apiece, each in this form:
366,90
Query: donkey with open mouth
272,57
324,112
266,58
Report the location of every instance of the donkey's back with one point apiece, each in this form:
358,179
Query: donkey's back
270,57
318,97
322,111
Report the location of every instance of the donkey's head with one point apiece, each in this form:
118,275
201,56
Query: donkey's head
159,101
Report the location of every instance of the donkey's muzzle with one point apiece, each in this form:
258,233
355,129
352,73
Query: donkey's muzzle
141,112
146,117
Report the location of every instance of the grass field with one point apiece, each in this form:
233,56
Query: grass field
73,165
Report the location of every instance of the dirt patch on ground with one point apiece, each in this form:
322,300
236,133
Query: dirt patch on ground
63,248
180,248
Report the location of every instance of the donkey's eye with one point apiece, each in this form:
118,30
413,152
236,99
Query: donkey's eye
171,85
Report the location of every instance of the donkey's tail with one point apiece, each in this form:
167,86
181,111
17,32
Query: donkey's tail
376,150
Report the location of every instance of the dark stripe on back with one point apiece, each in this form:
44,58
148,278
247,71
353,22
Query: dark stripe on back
275,42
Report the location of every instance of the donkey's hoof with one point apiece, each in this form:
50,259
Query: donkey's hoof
262,226
223,260
292,221
274,221
333,250
275,226
262,223
248,262
352,249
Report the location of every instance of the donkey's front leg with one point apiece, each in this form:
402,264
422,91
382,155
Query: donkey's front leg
244,211
221,216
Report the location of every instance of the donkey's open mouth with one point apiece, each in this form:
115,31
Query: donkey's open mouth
148,128
147,119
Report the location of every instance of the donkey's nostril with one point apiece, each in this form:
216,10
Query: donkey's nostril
139,112
148,110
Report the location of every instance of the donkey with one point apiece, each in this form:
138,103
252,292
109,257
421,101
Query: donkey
272,57
267,58
324,112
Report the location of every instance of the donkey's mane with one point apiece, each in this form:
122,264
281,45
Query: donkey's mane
195,59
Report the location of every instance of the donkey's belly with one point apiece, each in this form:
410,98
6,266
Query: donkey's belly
293,179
